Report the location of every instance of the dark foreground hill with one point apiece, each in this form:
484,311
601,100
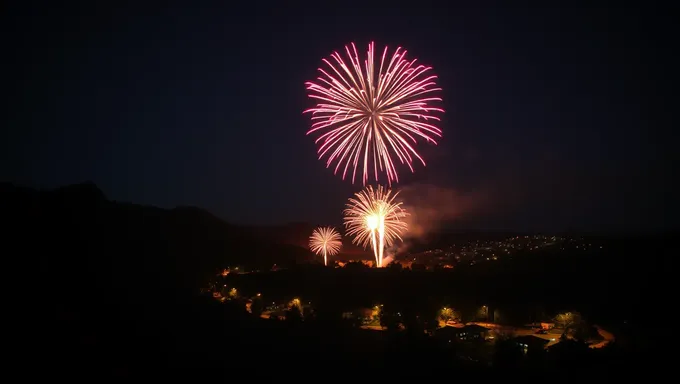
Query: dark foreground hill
108,282
75,231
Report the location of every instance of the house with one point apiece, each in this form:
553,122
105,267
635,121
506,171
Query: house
473,332
530,342
547,326
446,334
278,315
468,332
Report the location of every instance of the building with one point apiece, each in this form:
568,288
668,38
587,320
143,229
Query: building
547,326
530,342
468,332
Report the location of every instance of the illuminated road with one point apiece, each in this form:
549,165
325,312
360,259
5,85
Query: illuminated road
553,338
372,327
606,335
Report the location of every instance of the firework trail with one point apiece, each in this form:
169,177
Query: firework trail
370,115
325,241
375,220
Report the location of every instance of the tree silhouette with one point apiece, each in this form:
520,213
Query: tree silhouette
293,315
389,320
507,354
257,307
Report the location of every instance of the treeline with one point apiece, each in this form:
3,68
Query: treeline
527,287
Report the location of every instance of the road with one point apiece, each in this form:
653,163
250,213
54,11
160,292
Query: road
553,338
606,335
372,327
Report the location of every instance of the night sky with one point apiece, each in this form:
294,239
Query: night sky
552,118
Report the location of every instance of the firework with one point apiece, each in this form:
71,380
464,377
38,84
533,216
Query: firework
325,241
370,116
375,220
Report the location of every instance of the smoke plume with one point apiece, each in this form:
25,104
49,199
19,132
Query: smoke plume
387,260
430,207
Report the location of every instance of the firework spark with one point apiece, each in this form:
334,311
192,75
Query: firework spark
369,115
375,220
325,241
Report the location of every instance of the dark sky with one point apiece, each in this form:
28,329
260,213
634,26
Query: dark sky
553,115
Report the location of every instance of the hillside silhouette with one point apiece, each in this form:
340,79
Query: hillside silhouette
94,272
75,232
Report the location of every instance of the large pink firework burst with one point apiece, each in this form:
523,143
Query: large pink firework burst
370,117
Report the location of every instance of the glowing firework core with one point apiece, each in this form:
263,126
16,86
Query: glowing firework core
375,220
372,222
367,115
